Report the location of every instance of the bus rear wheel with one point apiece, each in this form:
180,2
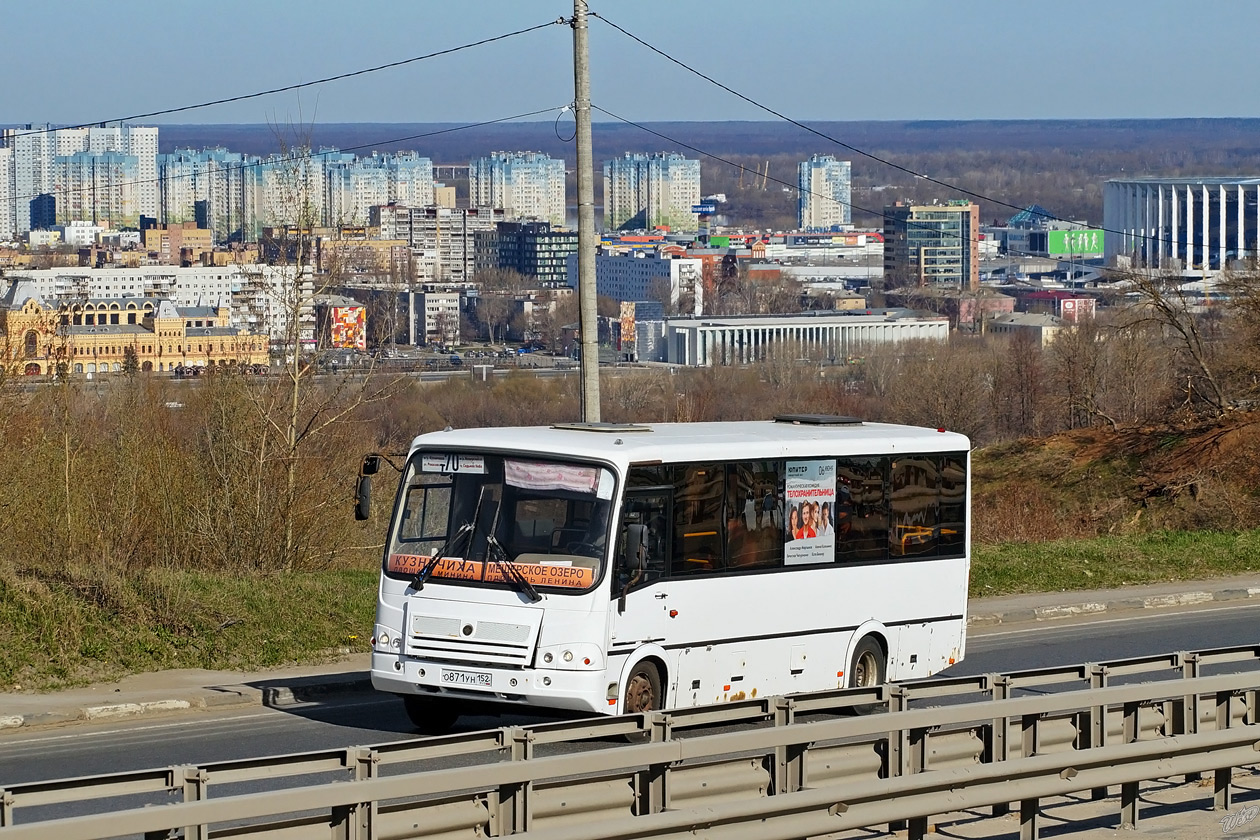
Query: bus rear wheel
643,690
429,715
868,669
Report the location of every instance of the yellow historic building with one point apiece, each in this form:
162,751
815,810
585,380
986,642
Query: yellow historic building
99,336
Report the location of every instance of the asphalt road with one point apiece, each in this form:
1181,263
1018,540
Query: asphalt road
372,719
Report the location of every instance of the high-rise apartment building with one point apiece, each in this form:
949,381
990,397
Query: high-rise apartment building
526,185
354,185
824,192
220,182
42,154
932,245
98,187
647,191
8,227
442,240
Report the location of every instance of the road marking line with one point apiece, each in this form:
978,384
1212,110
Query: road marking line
984,633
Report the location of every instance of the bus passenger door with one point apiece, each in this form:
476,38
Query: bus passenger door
640,587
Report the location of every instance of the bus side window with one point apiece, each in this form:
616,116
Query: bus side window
699,524
861,515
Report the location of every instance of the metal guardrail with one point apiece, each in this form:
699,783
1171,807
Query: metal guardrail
790,769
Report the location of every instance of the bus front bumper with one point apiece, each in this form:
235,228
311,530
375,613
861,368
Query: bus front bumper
583,691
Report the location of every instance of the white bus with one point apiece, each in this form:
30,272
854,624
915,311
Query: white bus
611,568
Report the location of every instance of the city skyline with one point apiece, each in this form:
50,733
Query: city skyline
810,61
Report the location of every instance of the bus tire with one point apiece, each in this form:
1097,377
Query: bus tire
643,690
430,716
868,669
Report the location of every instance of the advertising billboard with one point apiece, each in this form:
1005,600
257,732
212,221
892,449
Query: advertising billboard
347,327
626,340
1085,243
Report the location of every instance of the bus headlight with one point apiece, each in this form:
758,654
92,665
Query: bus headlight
386,641
571,657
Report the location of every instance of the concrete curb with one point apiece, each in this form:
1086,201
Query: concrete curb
307,689
1076,609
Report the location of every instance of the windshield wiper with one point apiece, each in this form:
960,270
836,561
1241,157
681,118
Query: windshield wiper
464,531
496,553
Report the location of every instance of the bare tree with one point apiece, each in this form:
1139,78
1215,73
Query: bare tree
1160,299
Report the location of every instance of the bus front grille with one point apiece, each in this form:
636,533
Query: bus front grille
443,637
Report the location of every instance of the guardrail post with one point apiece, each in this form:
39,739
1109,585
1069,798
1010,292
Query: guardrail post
1223,793
789,759
195,781
1191,665
513,800
898,744
917,827
998,742
6,808
357,822
1129,790
1098,721
653,794
1029,809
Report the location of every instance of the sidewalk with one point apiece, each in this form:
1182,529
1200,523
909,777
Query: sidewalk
167,692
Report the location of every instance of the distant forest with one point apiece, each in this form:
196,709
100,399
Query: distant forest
1059,164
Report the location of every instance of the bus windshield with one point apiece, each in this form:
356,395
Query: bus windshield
501,521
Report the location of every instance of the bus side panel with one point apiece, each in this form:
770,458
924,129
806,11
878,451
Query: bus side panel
748,635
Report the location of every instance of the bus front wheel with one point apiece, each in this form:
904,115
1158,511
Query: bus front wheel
643,690
868,669
430,716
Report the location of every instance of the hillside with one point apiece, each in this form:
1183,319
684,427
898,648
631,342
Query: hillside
1097,481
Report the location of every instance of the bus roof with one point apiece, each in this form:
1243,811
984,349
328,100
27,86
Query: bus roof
684,442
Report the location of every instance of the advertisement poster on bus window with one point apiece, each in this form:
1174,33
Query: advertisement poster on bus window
810,535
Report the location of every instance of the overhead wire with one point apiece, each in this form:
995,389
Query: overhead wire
299,85
274,160
909,223
1190,244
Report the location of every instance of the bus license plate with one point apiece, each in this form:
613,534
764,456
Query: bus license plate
477,678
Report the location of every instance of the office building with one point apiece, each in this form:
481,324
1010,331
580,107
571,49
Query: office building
525,185
642,192
1194,224
531,248
814,336
932,245
824,194
647,276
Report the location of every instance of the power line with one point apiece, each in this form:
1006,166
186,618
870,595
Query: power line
300,85
879,214
1139,236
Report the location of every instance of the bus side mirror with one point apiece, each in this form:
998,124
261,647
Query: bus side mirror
634,557
363,499
363,492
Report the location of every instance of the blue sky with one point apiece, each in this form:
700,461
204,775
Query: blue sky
85,61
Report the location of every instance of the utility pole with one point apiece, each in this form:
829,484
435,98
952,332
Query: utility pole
588,315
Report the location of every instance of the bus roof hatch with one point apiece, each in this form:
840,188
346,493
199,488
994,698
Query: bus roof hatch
601,427
817,420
